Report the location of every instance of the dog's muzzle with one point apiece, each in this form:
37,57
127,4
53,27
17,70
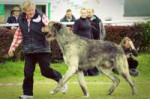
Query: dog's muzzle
45,29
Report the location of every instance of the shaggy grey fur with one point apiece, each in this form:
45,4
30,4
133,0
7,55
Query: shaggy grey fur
80,54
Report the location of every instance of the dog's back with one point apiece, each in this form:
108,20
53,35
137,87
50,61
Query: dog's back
97,52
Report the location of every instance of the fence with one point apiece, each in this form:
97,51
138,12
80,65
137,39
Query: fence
130,22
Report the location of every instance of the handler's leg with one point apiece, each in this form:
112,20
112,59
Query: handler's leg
46,70
30,61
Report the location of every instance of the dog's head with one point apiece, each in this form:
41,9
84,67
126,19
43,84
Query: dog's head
52,29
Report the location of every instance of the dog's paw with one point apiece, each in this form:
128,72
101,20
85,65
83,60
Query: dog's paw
134,92
110,91
86,96
53,92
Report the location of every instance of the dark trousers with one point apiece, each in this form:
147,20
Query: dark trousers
132,63
91,72
44,62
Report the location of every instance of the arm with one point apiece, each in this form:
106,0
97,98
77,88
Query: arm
133,49
94,29
102,31
16,42
94,26
45,20
135,53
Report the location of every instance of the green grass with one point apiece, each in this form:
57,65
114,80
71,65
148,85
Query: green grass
144,64
12,72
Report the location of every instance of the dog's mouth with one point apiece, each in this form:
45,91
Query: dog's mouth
49,37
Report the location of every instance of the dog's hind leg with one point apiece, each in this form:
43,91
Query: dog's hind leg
116,81
82,83
124,71
127,77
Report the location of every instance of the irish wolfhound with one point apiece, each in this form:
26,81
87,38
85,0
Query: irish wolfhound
80,54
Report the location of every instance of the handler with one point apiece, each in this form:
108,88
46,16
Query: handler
35,47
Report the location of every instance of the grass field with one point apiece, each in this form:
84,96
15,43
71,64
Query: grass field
11,76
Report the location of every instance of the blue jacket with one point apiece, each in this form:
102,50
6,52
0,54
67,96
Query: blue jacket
12,19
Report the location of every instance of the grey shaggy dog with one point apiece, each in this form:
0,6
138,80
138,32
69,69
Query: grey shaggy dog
81,54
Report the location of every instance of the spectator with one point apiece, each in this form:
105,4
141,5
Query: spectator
82,26
13,18
130,51
68,18
35,47
98,29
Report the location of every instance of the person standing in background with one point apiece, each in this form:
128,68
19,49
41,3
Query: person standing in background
98,29
82,26
69,17
13,18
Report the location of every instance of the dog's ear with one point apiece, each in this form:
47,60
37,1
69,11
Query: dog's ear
57,26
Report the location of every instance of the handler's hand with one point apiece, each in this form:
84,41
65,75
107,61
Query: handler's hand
11,53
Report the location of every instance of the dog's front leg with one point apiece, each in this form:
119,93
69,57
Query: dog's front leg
82,83
66,77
